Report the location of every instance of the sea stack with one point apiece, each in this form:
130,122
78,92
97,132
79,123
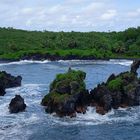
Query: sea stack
68,94
17,104
8,81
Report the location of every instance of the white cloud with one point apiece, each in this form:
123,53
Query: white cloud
29,22
135,13
93,7
79,15
109,15
27,10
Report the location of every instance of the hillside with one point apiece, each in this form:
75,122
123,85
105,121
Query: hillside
20,44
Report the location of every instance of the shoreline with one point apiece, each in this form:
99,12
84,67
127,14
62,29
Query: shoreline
17,60
52,58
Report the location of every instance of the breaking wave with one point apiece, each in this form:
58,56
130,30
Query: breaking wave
129,115
23,62
111,61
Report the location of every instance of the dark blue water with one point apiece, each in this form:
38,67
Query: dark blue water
35,124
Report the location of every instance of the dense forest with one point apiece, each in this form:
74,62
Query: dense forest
15,44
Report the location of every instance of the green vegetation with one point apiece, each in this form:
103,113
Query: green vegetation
129,76
2,75
67,82
65,85
57,98
14,44
123,82
115,84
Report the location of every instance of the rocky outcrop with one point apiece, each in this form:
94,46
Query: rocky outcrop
17,104
135,66
2,91
57,56
122,90
9,81
67,95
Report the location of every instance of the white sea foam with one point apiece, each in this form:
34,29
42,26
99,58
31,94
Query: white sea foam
32,96
14,128
121,62
111,61
93,118
11,125
22,62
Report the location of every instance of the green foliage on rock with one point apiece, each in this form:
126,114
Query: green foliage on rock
64,83
115,84
128,76
123,81
65,86
2,74
56,97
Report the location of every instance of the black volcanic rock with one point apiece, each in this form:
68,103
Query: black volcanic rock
67,94
122,90
135,66
111,77
9,81
17,104
2,91
101,98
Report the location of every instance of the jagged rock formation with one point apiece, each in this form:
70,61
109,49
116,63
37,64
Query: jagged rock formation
67,95
8,81
17,104
121,91
135,66
2,91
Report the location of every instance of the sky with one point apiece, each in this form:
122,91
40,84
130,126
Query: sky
70,15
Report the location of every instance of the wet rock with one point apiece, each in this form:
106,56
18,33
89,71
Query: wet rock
102,98
135,66
122,90
67,95
100,110
2,91
9,81
111,77
17,104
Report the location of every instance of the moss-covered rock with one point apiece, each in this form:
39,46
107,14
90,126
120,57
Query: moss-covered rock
115,84
67,95
121,90
64,83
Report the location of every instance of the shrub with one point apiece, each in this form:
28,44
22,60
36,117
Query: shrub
64,86
55,97
64,80
115,84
